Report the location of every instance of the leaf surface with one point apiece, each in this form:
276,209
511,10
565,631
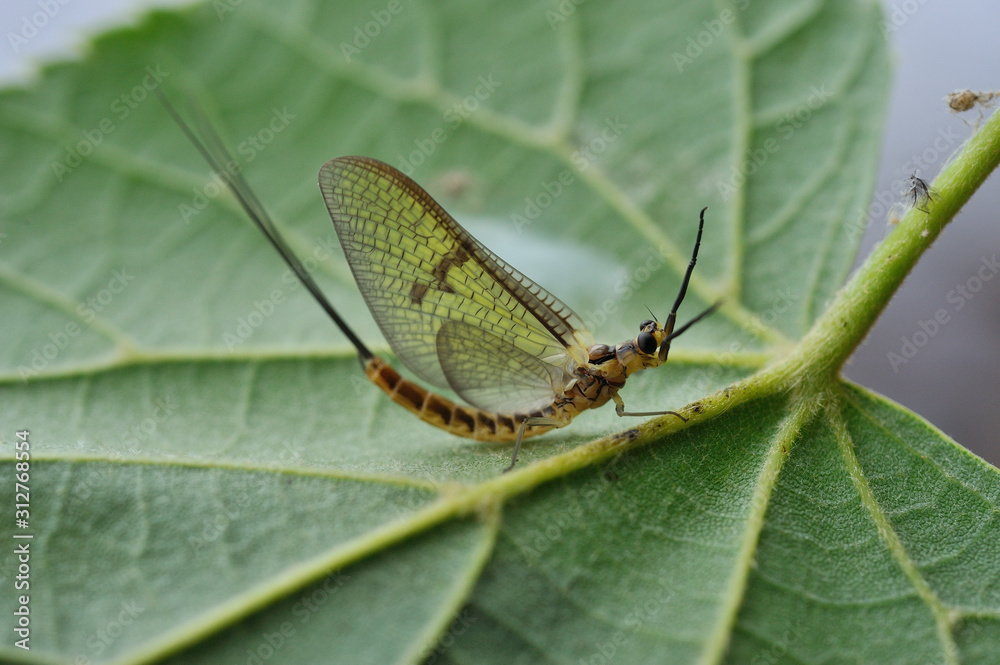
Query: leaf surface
213,479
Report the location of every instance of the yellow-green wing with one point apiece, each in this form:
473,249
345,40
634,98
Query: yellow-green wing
514,382
418,269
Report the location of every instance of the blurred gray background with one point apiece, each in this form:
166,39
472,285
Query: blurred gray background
953,379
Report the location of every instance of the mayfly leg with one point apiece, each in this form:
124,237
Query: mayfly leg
214,151
620,410
534,421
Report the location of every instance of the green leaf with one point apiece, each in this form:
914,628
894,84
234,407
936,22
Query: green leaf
212,478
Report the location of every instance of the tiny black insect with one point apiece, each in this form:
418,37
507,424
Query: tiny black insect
918,193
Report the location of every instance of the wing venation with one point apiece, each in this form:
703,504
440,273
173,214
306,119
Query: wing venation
418,269
490,373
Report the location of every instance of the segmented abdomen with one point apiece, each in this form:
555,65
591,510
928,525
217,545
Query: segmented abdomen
461,420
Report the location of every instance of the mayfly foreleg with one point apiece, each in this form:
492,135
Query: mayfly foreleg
620,409
533,421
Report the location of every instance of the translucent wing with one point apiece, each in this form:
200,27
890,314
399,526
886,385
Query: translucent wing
488,372
418,269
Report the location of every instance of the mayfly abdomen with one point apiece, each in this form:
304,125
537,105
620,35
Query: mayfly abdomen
461,420
454,312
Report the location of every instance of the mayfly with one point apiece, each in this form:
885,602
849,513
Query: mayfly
453,312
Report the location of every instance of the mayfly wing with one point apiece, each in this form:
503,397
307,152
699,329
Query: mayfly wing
420,273
515,381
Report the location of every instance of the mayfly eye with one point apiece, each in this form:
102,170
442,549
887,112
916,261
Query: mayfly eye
646,342
645,324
